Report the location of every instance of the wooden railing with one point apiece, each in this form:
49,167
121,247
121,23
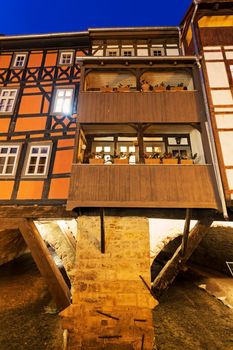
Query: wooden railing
152,107
142,186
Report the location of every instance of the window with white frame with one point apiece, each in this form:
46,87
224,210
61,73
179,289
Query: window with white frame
8,159
19,60
7,100
63,101
66,57
37,160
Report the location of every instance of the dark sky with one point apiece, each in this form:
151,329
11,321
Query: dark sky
47,16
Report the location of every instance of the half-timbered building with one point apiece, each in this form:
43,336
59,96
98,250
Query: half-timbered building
113,126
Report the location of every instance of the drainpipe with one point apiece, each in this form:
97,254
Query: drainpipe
208,123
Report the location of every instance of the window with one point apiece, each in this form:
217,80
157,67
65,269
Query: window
157,51
66,58
127,53
8,159
37,160
112,53
63,101
7,100
19,60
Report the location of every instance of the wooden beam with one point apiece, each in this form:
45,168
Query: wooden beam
186,231
56,284
102,231
177,262
31,211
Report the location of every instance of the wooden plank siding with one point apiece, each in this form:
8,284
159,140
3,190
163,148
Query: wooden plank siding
142,186
160,107
216,36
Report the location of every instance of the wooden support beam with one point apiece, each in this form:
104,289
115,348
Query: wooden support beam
32,211
102,231
186,231
56,284
177,262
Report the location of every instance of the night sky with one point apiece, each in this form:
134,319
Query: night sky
47,16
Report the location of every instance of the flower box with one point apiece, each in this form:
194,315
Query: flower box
96,161
170,161
186,161
121,161
152,161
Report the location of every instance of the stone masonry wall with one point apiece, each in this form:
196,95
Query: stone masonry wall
111,306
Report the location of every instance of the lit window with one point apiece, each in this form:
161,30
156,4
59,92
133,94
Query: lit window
8,159
19,60
37,160
63,101
7,100
66,58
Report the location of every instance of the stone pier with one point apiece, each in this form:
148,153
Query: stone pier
112,304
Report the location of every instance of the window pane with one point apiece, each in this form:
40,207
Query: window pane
98,149
69,92
1,169
60,92
149,149
44,150
2,160
12,93
9,169
131,148
107,149
5,93
33,160
13,150
35,150
123,149
41,169
42,160
66,105
4,150
31,169
11,160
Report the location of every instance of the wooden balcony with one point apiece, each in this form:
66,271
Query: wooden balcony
127,107
142,186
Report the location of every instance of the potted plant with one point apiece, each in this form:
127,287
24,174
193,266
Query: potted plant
145,86
160,87
106,88
168,158
122,88
121,158
96,158
187,160
153,158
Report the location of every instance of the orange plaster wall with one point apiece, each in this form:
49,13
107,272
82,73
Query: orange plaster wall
5,61
34,123
30,104
30,190
51,59
35,60
4,124
80,54
6,188
59,188
63,162
66,143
